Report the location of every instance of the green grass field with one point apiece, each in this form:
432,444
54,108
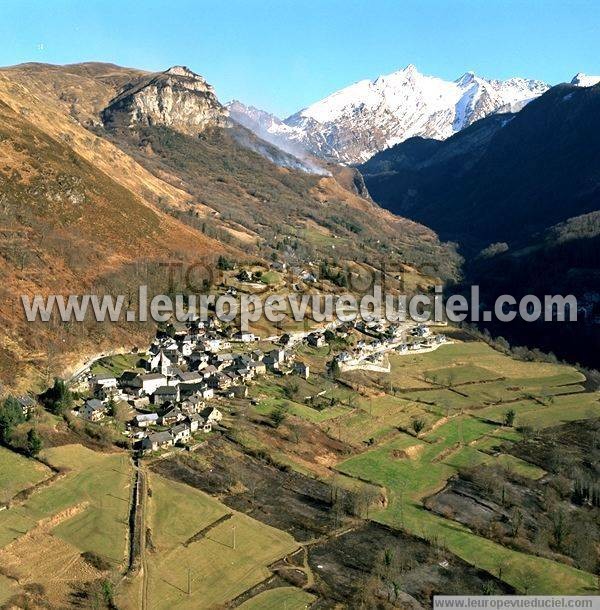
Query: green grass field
315,416
116,365
176,514
496,413
289,598
18,473
101,480
559,409
515,464
462,373
362,425
409,480
466,457
270,278
7,589
228,560
463,428
562,409
441,400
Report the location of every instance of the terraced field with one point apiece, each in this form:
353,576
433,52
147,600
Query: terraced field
462,393
18,473
202,550
85,509
472,386
410,480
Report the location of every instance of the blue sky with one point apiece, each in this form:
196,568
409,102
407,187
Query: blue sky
283,55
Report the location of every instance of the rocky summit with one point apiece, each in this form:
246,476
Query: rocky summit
176,98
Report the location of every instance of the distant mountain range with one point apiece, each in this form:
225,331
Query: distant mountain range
504,178
353,124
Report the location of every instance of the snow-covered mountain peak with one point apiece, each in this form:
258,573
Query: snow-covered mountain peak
368,116
466,79
357,121
584,80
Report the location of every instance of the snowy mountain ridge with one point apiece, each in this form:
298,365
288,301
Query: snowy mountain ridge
585,80
354,123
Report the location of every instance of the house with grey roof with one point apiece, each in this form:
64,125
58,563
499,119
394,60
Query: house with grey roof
27,404
143,420
156,441
181,433
93,410
170,416
165,393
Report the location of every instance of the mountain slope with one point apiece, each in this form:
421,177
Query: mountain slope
563,260
278,211
520,194
531,170
65,103
354,123
68,228
89,208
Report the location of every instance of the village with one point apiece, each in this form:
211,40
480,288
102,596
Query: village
371,355
191,369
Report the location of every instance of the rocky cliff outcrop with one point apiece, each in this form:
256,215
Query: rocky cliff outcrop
177,98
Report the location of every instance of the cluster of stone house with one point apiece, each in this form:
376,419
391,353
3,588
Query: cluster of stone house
182,422
420,331
368,354
184,369
180,419
191,363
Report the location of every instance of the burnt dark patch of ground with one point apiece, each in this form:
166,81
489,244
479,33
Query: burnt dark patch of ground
468,500
460,334
557,516
352,559
563,450
283,499
372,564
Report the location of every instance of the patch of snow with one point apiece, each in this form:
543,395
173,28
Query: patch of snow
584,80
